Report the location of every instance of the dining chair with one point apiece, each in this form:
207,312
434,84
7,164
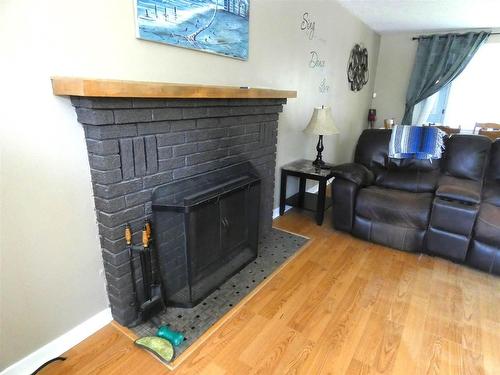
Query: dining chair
449,131
492,134
486,126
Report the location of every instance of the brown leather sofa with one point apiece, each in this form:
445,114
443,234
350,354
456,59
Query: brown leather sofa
437,207
484,253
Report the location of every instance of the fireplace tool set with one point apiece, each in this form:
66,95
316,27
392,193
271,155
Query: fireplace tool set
162,344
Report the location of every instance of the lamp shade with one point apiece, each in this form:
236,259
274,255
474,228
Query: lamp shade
321,122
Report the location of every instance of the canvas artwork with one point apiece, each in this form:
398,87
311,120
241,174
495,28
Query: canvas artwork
215,26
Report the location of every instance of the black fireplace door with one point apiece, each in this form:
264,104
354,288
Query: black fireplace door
204,239
234,221
219,211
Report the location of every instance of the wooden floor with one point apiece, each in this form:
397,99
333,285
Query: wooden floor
343,306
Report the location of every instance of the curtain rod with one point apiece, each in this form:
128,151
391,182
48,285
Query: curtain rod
443,36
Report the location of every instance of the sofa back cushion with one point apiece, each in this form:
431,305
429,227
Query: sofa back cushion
402,174
494,163
465,156
413,175
372,149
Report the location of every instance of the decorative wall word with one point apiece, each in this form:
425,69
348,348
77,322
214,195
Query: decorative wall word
323,87
357,68
308,25
315,61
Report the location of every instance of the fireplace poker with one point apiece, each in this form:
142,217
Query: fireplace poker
152,301
147,245
128,240
154,255
146,264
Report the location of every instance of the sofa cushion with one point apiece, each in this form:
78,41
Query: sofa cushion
373,148
491,193
413,180
392,235
459,189
465,156
494,164
484,257
488,224
394,206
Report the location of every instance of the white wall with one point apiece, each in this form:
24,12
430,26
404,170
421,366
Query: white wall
394,67
50,255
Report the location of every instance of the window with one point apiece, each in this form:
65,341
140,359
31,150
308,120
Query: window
474,94
472,97
438,110
432,109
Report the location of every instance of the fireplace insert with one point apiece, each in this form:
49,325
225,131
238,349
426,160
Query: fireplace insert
207,229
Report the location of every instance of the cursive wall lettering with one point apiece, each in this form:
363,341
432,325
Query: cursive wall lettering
308,26
323,87
315,61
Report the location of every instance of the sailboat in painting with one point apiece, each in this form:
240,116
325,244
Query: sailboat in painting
216,26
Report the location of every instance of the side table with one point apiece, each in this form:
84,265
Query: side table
305,170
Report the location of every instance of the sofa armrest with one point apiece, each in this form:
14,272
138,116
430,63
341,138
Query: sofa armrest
459,189
355,173
344,194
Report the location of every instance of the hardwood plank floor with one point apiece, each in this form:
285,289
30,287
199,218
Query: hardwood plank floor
342,306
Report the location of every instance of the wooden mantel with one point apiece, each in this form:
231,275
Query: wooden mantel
72,86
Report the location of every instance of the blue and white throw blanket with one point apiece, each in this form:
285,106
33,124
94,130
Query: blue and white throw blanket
417,142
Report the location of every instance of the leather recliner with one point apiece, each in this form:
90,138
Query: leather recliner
458,195
484,253
415,205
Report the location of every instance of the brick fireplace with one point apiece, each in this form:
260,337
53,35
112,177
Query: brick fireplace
136,144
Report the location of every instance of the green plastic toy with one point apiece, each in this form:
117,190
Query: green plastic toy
161,348
176,338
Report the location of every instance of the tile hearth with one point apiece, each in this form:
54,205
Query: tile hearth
275,248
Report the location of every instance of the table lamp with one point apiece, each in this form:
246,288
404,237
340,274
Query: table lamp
321,124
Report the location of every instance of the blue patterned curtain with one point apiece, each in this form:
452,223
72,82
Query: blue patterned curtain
439,60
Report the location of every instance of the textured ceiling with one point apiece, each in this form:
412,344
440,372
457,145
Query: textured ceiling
385,16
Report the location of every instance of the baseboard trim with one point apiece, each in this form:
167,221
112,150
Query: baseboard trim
60,345
276,213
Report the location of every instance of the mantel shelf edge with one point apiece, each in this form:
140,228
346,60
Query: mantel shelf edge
87,87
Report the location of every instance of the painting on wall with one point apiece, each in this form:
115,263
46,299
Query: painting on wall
215,26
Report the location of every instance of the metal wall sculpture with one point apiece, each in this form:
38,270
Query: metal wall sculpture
357,69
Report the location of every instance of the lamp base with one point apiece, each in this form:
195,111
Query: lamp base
320,166
318,163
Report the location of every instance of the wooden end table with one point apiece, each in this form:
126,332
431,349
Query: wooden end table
304,170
